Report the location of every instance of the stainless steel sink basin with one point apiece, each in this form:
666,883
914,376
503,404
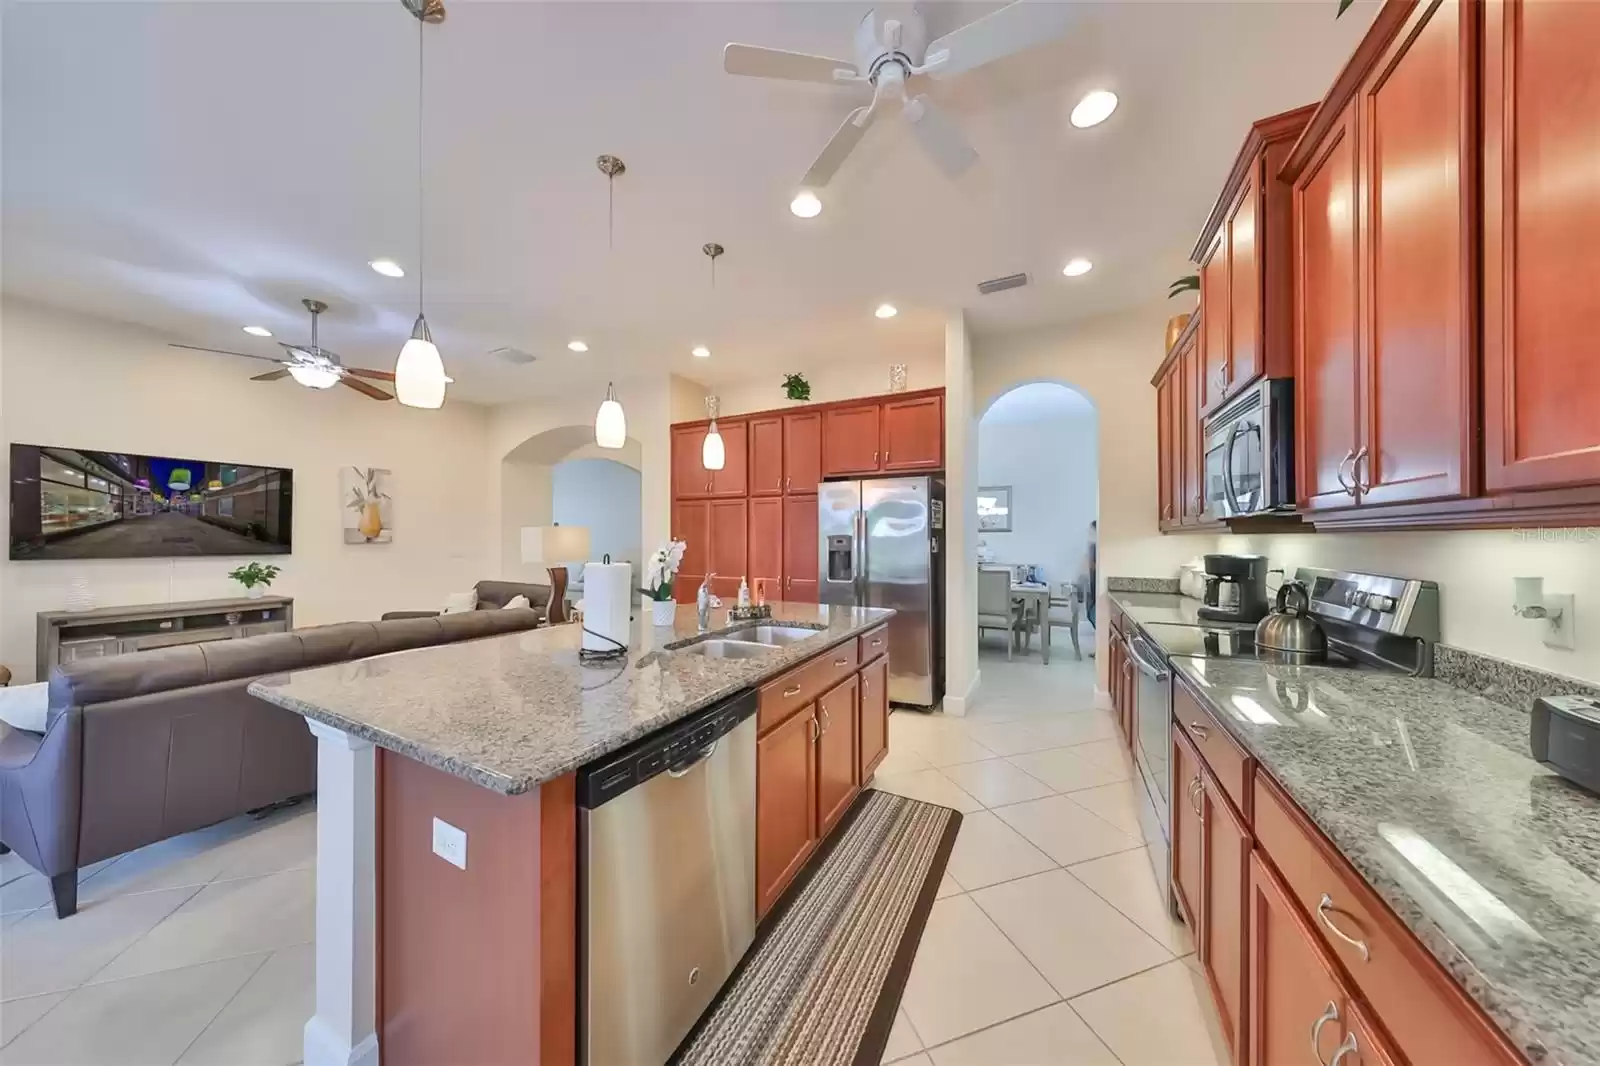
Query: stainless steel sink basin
729,649
776,635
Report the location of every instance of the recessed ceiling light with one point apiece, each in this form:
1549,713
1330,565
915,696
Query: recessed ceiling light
577,346
1077,267
1094,109
700,351
886,311
258,331
806,205
388,268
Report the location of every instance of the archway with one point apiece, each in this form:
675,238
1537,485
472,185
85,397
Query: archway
528,482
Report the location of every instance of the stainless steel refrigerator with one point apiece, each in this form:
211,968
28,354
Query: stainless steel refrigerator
881,544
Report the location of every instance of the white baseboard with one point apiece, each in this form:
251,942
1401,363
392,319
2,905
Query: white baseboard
957,706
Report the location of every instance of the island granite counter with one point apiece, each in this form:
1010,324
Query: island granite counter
431,953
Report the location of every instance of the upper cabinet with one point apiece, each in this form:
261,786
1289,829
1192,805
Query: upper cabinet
1244,261
1178,382
913,433
802,451
850,442
690,478
1541,203
734,477
766,456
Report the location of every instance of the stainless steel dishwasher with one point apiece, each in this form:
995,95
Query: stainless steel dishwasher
667,868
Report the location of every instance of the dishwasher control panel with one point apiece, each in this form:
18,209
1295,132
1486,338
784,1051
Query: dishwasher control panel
675,749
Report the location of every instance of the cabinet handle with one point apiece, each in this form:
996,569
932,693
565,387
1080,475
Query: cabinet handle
1349,488
1168,513
874,458
815,732
825,721
841,662
1346,1048
791,692
1323,907
886,455
788,483
1198,730
877,642
1329,1015
1196,787
1355,470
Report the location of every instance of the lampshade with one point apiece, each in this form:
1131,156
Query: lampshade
314,377
555,544
610,424
712,453
419,377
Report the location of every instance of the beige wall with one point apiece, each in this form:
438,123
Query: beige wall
832,381
82,382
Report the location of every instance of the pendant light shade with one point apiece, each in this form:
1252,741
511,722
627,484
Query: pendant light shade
419,377
610,424
712,454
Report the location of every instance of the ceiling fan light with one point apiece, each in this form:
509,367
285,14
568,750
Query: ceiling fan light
314,376
419,377
712,453
610,424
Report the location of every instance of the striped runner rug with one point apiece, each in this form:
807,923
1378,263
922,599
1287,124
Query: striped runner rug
821,984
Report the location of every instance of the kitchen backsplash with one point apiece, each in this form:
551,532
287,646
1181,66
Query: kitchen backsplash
1142,584
1502,681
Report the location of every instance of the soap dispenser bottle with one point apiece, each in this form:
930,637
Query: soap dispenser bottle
744,594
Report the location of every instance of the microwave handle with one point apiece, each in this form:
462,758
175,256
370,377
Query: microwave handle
1234,434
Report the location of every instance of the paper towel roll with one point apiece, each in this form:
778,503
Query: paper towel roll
607,597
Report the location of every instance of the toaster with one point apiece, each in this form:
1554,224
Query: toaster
1566,737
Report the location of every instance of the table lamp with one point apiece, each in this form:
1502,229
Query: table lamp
549,546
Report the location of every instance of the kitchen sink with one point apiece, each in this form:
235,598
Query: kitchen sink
728,649
776,635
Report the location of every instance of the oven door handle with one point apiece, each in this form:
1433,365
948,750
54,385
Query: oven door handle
1144,660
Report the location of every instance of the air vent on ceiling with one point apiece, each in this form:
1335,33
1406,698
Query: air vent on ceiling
514,356
994,285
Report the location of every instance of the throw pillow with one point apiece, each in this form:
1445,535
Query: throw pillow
518,600
460,602
26,706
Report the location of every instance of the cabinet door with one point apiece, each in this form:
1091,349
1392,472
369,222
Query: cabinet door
766,456
800,549
837,785
1167,447
1541,379
1418,277
1326,327
802,452
872,740
786,808
766,545
913,434
1244,285
730,556
733,479
691,523
1227,875
1296,1005
1193,504
1187,843
689,474
1216,344
850,440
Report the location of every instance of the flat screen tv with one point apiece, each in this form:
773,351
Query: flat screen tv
70,503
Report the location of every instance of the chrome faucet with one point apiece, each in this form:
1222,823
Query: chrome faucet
702,603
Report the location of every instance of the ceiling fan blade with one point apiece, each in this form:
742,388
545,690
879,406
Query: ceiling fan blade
838,147
754,61
939,137
375,375
1011,29
224,351
271,375
363,388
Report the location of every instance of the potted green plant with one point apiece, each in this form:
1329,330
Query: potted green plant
1176,324
796,387
255,577
658,579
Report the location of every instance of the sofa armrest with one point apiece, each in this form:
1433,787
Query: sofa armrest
41,794
389,616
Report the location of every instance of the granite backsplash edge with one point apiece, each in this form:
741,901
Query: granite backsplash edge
1510,684
1142,584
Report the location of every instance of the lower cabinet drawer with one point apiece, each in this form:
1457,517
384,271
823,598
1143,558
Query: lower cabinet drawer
873,644
1424,1010
780,698
1227,761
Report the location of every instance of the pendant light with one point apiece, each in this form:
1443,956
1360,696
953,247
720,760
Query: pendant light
712,453
610,424
419,377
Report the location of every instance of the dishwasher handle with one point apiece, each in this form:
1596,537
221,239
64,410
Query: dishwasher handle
1144,658
682,769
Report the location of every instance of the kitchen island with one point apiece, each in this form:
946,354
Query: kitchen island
464,947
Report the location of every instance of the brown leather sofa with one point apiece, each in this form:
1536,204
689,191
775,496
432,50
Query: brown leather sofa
138,748
494,595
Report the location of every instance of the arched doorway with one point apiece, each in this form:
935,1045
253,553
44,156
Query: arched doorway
541,483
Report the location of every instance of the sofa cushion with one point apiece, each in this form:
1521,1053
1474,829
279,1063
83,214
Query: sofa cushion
273,653
338,643
487,623
121,676
496,594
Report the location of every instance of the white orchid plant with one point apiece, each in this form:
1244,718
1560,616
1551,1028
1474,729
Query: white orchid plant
663,567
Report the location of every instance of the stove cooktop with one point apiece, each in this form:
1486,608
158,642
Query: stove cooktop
1220,641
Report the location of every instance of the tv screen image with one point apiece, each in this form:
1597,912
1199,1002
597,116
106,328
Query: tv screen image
76,504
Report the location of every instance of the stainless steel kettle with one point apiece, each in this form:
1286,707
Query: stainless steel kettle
1290,631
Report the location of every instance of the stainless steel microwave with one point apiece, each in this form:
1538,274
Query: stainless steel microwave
1248,462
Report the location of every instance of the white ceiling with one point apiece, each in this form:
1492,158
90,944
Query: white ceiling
197,167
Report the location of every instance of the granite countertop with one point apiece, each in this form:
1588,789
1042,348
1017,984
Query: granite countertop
1154,608
1430,792
513,711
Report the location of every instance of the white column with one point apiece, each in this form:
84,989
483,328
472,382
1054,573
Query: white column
343,1031
960,516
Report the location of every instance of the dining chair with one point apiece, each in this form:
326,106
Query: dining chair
995,609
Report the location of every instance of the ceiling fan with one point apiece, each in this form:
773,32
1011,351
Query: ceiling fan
891,55
311,364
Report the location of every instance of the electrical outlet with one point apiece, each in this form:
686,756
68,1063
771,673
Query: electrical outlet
450,843
1564,634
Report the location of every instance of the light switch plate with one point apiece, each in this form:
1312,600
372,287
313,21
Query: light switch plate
1564,635
450,843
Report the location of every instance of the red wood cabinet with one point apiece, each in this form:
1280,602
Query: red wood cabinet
1244,282
1178,426
766,545
691,523
733,479
786,807
1216,345
800,549
1168,445
1296,1003
872,739
728,549
1192,488
913,433
690,478
1226,862
766,456
1541,379
1188,845
851,440
802,452
837,784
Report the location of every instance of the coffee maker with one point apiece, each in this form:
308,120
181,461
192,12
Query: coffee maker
1236,589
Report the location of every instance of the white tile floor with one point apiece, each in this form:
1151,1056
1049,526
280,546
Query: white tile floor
1048,944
